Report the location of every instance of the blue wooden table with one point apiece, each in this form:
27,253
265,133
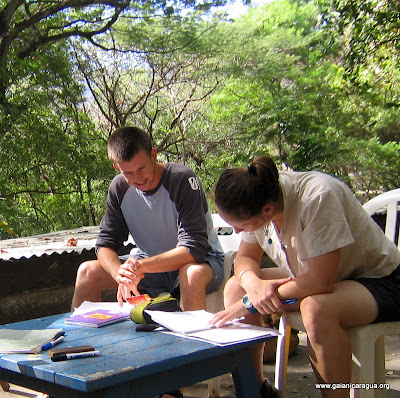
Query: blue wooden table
132,364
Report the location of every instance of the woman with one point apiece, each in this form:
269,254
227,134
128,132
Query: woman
331,256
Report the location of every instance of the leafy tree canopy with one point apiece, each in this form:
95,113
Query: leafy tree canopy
314,83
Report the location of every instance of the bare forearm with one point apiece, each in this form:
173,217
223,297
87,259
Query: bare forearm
248,274
246,268
247,261
109,260
168,261
320,279
302,286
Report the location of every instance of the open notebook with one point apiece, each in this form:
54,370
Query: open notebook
195,324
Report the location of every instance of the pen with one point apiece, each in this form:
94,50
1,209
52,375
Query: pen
76,355
289,301
51,344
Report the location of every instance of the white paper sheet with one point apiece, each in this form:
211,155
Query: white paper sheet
186,323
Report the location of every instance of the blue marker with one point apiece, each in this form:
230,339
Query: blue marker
289,301
51,344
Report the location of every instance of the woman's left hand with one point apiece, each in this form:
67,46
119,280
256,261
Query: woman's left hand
234,311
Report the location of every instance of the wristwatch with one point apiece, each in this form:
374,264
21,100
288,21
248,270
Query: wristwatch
247,304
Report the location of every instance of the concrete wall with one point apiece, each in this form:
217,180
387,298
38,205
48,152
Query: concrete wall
40,286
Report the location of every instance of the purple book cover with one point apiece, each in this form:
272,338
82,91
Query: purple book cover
97,318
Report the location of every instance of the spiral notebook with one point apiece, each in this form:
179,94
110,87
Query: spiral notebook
97,318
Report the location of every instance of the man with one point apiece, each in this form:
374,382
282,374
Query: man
163,207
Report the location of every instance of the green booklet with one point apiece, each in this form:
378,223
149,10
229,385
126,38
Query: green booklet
13,341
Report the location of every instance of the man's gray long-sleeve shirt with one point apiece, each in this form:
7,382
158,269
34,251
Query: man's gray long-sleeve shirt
174,214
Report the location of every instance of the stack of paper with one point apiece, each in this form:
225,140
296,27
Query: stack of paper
195,324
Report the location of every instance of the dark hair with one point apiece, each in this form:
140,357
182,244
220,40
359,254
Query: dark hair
125,142
242,192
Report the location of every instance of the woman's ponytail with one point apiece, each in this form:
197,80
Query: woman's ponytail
243,192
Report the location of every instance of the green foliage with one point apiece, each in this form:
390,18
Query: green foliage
276,88
368,29
314,84
6,231
289,94
360,160
49,189
56,172
51,148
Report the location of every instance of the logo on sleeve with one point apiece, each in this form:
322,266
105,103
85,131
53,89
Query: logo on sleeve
194,183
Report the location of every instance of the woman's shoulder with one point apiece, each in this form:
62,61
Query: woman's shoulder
312,181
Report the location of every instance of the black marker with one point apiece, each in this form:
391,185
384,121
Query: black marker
76,355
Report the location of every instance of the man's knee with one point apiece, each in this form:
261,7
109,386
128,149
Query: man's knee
86,269
195,276
91,273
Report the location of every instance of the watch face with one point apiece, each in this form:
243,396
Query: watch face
247,304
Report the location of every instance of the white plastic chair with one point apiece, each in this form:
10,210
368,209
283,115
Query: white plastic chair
215,301
367,342
230,242
228,238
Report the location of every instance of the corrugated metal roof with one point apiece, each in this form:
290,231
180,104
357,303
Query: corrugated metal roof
83,238
72,240
68,241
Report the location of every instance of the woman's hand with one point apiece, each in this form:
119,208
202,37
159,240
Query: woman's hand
234,311
264,296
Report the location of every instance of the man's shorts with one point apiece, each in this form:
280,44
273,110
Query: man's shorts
168,282
386,292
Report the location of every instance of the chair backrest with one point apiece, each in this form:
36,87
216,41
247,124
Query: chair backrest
229,240
389,202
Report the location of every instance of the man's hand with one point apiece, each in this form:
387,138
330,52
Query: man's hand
128,277
129,271
124,291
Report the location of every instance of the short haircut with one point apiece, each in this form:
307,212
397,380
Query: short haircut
125,142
